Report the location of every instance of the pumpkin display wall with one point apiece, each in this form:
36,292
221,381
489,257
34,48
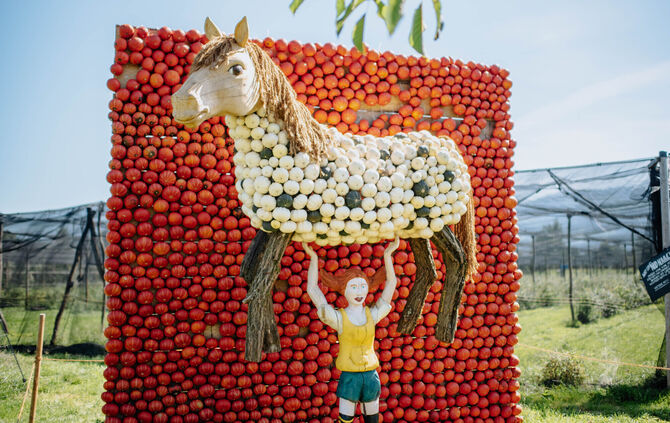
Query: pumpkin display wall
177,237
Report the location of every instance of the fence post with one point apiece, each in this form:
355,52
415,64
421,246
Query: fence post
572,310
532,263
38,363
665,230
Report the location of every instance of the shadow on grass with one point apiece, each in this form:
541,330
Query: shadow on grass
648,398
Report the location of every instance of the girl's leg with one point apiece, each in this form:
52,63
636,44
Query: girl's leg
371,411
347,411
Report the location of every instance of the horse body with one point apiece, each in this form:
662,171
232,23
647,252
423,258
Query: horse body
298,180
364,190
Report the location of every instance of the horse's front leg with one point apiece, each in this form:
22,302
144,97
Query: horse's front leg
456,265
261,325
425,277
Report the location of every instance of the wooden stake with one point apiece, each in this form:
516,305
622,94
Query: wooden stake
665,230
38,363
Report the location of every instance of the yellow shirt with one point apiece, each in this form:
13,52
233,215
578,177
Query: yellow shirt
357,353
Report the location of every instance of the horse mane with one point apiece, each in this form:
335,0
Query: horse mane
276,94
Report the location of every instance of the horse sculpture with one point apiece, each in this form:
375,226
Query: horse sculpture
299,180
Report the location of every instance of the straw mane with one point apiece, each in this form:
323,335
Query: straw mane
276,94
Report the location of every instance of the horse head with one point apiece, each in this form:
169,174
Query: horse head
223,79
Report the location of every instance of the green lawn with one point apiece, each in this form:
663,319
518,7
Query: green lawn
70,392
611,393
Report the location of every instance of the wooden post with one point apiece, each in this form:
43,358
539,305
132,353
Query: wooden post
665,230
38,363
532,263
572,309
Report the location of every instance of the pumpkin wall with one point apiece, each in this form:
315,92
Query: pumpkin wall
177,238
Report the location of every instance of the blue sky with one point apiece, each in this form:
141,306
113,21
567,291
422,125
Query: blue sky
590,78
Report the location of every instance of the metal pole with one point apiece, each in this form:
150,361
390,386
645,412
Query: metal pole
572,310
38,364
588,246
632,243
665,228
532,263
625,257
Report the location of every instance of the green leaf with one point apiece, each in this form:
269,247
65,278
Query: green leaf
357,35
339,7
339,22
416,33
295,4
392,14
380,8
437,6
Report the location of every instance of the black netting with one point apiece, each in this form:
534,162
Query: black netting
610,209
52,263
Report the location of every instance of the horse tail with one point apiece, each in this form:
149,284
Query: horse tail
465,232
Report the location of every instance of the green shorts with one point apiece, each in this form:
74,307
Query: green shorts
359,386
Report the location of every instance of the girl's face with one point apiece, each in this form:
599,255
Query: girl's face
356,291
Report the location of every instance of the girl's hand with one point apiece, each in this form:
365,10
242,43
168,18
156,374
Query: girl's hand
309,251
393,245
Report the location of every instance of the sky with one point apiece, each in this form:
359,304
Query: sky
590,78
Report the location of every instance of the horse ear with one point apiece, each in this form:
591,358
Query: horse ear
242,32
211,30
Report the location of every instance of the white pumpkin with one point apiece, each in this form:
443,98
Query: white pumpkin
286,162
306,186
296,174
327,210
279,151
299,201
261,184
281,214
329,195
280,175
291,187
342,189
298,215
251,121
302,160
312,172
275,189
257,133
288,227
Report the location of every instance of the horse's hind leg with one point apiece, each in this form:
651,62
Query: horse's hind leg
456,264
263,270
425,276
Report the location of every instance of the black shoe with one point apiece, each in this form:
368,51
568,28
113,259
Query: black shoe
372,418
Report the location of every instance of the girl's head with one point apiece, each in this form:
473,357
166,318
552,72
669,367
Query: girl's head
353,283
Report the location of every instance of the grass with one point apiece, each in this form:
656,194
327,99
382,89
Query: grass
612,393
70,392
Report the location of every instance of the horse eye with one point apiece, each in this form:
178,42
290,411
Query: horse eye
235,70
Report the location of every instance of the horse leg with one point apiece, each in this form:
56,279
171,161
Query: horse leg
454,259
248,268
425,276
261,325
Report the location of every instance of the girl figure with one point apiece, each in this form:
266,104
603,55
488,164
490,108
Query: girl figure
355,326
